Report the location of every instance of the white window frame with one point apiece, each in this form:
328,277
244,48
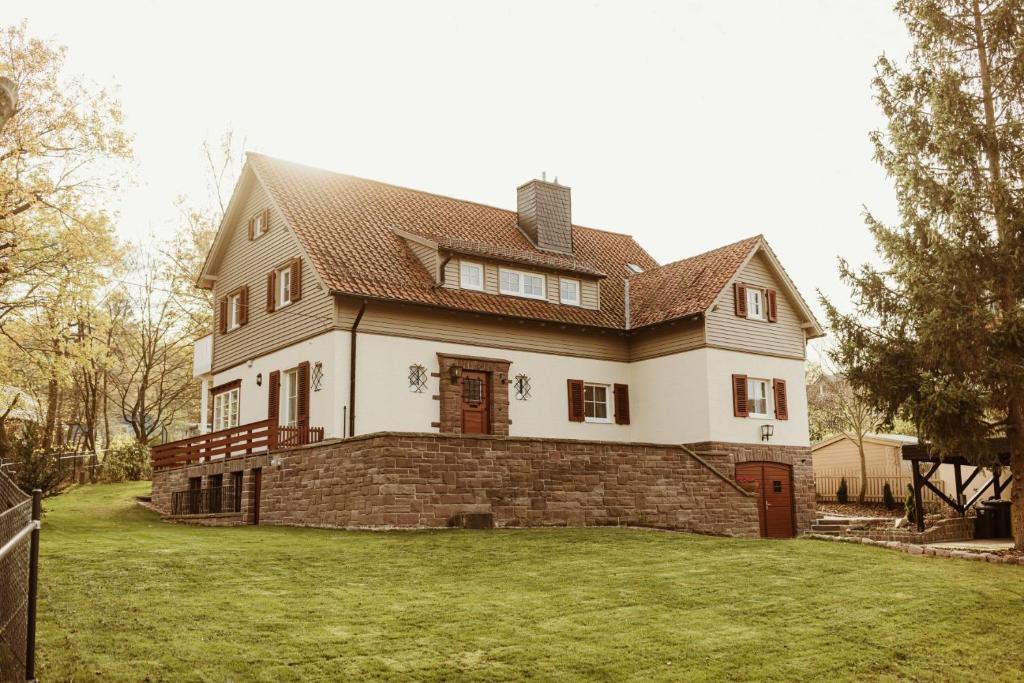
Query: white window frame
561,293
225,409
520,291
283,283
767,385
234,311
288,410
259,225
463,283
756,302
608,403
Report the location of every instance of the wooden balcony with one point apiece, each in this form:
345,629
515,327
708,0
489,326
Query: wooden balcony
247,439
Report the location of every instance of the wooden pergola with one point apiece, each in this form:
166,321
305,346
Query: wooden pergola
918,453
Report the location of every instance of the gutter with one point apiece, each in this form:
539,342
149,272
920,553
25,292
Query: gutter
352,372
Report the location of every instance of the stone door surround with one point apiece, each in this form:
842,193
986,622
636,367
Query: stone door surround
450,393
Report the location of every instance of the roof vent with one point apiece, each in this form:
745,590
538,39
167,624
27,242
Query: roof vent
545,214
634,267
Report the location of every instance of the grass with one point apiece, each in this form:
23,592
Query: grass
127,597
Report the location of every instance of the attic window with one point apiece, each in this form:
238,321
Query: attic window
634,268
471,275
519,283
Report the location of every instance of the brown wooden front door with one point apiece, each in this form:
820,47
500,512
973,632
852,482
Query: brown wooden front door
476,417
773,484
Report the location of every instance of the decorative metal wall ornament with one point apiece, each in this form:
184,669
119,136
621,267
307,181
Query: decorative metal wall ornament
522,387
417,378
317,378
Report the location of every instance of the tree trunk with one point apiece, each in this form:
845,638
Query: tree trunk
1015,436
863,471
51,414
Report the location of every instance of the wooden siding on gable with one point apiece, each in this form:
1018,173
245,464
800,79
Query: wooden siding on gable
726,330
247,262
425,255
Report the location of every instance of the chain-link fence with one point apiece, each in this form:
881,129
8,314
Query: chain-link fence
19,553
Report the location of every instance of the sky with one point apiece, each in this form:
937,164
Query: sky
686,124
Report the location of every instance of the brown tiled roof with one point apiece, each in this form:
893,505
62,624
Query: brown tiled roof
347,226
682,288
350,228
501,253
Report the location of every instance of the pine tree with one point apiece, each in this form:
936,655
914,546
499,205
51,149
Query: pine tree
937,334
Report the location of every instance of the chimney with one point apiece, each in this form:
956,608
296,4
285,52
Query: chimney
545,215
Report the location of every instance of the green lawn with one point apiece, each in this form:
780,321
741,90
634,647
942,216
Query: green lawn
126,597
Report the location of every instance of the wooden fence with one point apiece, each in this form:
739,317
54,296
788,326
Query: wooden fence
826,483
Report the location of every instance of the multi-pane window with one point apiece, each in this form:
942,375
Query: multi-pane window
518,283
289,416
234,311
471,275
284,287
755,304
595,403
757,397
569,291
225,410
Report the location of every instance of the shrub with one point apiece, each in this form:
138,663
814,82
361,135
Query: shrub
909,506
126,460
842,493
32,467
887,498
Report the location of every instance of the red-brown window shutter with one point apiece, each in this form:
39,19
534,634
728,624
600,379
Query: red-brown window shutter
271,290
303,399
770,307
252,229
266,221
621,404
781,400
274,396
739,396
740,292
243,305
296,279
575,400
223,316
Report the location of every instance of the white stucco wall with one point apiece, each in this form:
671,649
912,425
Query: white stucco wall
384,401
325,406
682,398
723,426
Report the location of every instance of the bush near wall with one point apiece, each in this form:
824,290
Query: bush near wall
126,460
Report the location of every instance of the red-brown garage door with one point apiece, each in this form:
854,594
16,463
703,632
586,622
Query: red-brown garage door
774,486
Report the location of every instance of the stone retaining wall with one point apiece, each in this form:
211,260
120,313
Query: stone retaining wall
401,480
952,529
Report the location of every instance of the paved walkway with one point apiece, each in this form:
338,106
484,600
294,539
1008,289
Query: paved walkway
981,545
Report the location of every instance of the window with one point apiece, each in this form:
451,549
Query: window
225,409
289,416
471,275
235,311
259,224
236,490
569,292
634,268
595,403
519,283
757,397
755,304
284,286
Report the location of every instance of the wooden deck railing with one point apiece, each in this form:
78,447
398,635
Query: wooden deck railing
254,437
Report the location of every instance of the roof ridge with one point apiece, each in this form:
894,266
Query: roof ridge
759,236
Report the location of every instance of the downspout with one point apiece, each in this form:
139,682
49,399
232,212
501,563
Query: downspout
352,372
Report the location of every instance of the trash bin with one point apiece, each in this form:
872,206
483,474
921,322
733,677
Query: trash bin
1000,511
983,522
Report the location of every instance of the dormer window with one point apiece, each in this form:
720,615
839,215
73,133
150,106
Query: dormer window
471,276
519,283
569,291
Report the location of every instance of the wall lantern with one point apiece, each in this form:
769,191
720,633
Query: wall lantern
767,431
259,379
455,373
